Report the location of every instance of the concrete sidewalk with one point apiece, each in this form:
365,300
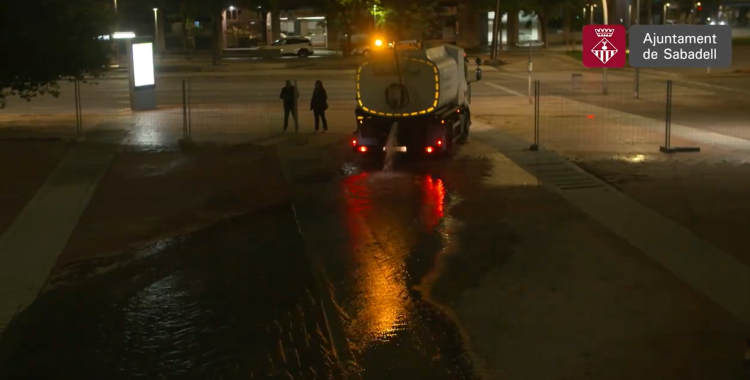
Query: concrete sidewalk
31,245
721,277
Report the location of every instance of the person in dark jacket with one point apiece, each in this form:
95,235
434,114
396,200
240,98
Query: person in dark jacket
319,105
289,95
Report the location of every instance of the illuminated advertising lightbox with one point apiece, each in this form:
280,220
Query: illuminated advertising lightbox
143,64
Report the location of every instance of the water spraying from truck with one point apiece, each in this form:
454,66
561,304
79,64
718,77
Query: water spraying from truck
390,148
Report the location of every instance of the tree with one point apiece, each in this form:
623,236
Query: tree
348,15
214,9
545,8
511,7
570,8
59,42
403,18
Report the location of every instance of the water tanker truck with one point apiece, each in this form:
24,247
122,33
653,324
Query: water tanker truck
414,100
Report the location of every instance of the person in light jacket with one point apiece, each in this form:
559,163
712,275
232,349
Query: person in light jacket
319,105
289,95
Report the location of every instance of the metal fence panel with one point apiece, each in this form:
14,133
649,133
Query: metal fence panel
576,116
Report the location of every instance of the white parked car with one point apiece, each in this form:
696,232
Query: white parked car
299,46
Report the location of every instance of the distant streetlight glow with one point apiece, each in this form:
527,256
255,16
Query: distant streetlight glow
123,35
231,8
156,30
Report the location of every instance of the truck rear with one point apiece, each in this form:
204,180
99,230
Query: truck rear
414,101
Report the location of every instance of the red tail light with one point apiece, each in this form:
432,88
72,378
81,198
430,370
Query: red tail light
354,142
363,149
440,143
429,149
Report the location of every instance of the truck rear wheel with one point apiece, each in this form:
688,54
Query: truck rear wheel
465,124
448,145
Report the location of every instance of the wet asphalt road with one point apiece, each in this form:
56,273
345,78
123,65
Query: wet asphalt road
238,300
399,223
111,95
235,301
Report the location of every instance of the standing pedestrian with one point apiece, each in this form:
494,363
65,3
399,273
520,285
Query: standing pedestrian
289,95
319,105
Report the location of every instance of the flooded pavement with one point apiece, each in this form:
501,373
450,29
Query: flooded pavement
398,223
235,301
238,300
461,268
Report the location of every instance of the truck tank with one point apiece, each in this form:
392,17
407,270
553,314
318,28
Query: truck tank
412,82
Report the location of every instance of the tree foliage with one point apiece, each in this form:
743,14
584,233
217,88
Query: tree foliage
411,18
350,17
398,19
547,9
59,42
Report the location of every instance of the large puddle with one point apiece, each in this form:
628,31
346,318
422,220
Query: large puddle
400,224
238,300
235,301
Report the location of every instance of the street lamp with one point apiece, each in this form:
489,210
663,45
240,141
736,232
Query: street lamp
664,14
156,30
591,14
156,23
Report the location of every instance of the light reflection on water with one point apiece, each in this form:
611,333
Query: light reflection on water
435,200
382,307
162,329
379,309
